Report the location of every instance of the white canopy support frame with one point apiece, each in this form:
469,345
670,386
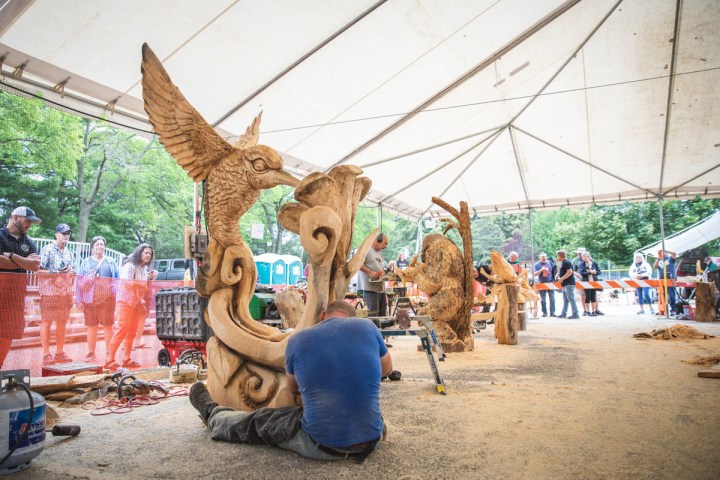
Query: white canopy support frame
507,105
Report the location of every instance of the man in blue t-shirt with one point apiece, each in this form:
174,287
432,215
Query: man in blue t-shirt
336,367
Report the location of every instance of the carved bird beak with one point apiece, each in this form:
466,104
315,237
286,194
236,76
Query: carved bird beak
272,178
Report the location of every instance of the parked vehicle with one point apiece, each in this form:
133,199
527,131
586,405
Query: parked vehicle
687,266
173,268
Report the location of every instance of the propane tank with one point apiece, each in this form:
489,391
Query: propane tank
21,438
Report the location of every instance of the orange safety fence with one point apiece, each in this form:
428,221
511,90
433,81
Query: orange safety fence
609,284
44,311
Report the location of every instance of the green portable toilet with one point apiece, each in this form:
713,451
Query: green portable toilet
264,267
294,268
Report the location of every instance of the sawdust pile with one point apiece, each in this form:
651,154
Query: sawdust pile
709,360
676,332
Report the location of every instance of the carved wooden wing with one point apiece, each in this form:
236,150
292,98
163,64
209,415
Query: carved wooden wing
186,135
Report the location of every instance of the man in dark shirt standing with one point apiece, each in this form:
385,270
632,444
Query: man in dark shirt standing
543,274
19,255
667,258
566,277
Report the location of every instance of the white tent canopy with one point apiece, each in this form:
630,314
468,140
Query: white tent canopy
505,104
694,236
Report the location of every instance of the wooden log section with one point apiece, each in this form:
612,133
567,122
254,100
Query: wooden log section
705,302
507,335
522,316
290,306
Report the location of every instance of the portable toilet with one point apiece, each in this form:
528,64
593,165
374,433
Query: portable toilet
294,268
279,271
264,267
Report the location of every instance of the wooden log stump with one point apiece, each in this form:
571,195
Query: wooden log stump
705,302
522,316
290,306
508,334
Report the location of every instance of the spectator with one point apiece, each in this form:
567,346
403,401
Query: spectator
544,274
576,268
339,382
19,256
131,306
370,275
640,270
149,300
667,258
566,277
56,293
487,282
515,263
402,261
96,295
590,272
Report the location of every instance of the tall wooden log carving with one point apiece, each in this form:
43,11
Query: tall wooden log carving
511,289
445,275
246,359
324,218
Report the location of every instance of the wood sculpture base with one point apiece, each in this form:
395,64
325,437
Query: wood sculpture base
240,383
705,302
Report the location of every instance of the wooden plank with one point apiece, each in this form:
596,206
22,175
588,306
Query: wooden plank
712,373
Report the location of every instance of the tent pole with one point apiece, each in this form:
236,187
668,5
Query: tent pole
532,242
662,241
419,237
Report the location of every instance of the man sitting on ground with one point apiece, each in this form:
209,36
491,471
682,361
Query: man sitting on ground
336,367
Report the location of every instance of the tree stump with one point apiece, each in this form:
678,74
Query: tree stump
507,334
290,306
705,302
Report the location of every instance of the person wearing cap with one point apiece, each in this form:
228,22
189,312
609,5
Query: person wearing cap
19,256
56,293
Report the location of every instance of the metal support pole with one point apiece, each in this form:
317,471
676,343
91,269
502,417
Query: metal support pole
419,238
662,242
532,242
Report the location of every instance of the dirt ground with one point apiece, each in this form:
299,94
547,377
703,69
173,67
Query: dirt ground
574,399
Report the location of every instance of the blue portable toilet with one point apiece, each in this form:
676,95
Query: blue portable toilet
264,267
279,271
294,268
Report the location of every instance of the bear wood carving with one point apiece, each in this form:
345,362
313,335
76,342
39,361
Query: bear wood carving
445,275
246,359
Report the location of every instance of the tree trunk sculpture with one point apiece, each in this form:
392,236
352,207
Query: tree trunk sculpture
511,289
445,275
324,218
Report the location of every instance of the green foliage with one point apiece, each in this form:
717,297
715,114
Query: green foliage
91,176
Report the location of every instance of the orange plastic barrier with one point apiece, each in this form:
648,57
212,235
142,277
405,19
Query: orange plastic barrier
29,301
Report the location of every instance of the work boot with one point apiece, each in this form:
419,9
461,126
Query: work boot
202,401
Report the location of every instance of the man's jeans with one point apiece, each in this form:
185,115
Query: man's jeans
569,298
376,303
224,424
551,295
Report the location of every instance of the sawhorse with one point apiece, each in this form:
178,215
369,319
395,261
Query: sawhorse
403,302
426,336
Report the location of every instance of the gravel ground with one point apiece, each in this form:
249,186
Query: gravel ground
574,399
